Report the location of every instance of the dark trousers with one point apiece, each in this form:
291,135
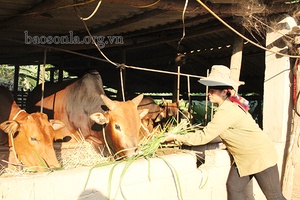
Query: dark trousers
268,181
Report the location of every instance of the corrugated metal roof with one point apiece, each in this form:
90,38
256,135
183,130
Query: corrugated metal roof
149,36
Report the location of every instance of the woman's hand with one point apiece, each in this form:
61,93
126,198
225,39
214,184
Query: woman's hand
169,137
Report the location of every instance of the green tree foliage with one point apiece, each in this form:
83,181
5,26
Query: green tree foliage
27,76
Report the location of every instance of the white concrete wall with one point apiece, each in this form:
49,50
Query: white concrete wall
206,182
277,99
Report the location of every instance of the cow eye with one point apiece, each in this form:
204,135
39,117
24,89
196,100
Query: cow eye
33,139
117,127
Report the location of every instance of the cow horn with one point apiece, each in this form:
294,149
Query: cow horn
109,103
137,100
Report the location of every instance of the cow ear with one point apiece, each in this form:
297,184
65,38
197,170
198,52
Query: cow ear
99,118
143,113
109,103
56,124
137,100
10,127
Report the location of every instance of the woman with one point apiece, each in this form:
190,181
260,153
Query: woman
252,150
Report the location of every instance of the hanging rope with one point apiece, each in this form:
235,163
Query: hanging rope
93,40
183,24
178,90
122,84
147,6
93,13
12,148
105,141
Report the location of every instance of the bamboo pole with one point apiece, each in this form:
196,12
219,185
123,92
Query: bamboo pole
43,80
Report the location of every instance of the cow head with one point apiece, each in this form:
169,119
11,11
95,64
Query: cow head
123,122
32,140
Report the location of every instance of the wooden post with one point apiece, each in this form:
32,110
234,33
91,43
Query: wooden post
122,88
236,57
178,91
16,82
43,80
60,74
38,74
52,71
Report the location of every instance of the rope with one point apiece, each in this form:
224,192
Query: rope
13,148
183,24
106,144
147,6
146,104
122,84
163,72
15,117
92,38
93,13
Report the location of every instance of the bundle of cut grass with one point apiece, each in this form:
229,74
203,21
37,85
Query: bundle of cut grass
150,145
70,156
80,154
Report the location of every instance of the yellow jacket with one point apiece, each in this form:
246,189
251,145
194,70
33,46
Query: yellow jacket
251,148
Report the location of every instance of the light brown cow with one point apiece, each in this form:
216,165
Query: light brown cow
30,136
122,123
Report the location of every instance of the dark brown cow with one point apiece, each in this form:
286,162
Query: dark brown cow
171,109
30,136
81,99
154,115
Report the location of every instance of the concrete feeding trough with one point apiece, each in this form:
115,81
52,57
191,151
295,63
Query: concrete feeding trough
170,176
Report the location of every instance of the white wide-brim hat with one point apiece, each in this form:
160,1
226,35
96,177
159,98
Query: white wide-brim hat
220,76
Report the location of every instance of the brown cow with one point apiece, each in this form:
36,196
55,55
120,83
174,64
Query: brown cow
30,136
75,102
153,116
170,109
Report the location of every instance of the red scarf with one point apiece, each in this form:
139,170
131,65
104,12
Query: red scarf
242,102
